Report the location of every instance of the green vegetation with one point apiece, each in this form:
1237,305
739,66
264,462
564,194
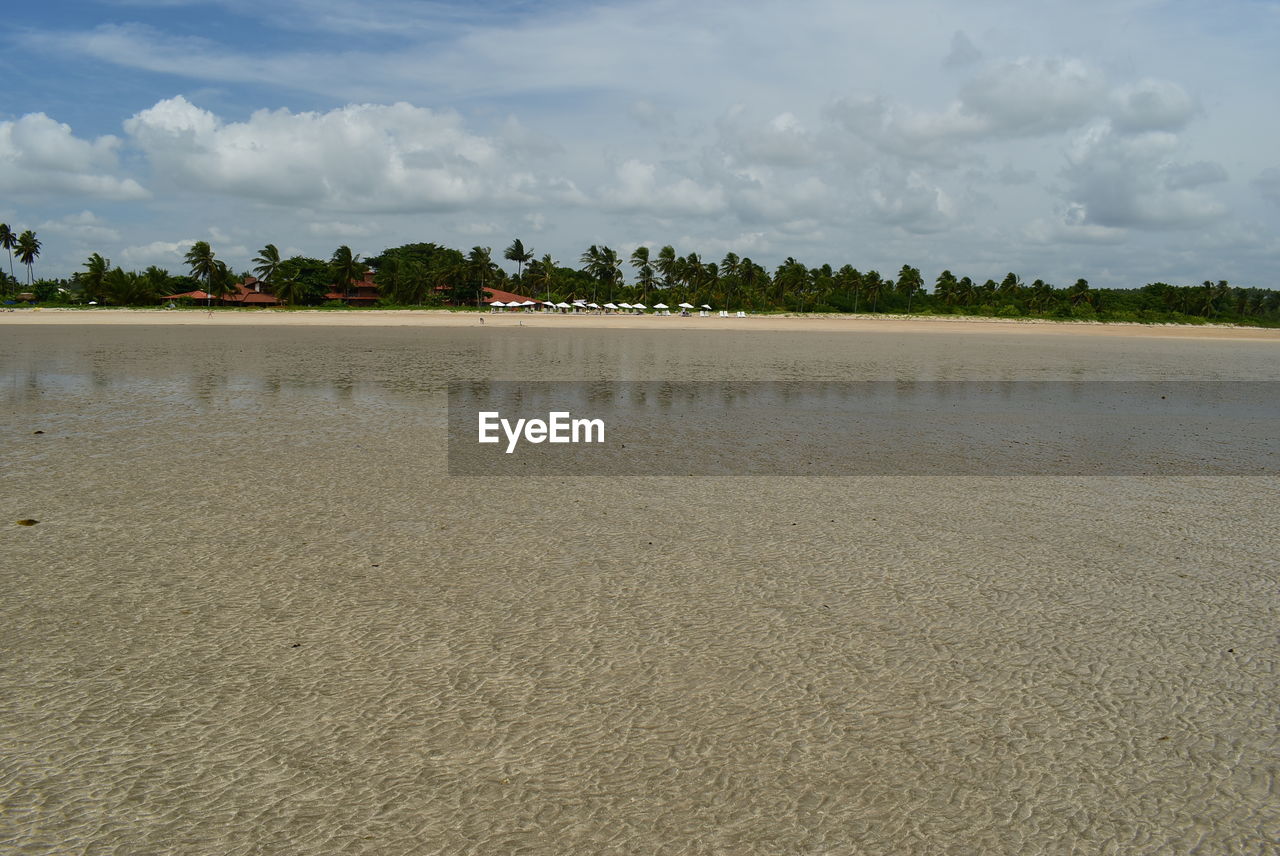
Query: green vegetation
428,274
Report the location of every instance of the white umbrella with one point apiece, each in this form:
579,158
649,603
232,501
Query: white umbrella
705,306
638,306
563,305
659,306
529,303
686,305
624,305
611,306
498,304
593,305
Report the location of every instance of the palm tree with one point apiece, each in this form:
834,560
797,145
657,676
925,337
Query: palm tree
8,240
346,269
91,280
668,265
518,254
204,267
1080,293
591,264
220,282
290,291
545,275
610,268
28,250
480,269
910,283
873,285
644,272
268,263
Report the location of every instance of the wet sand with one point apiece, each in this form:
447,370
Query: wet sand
257,617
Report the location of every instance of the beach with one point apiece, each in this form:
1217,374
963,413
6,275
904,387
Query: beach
257,615
772,322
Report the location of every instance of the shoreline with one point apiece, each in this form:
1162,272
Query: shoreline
762,323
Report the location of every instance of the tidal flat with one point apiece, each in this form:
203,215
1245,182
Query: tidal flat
257,615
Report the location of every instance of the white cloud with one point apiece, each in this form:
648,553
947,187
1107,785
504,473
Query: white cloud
83,227
1152,105
712,248
912,202
1071,228
362,157
165,254
1134,181
1031,96
781,141
41,156
336,228
636,188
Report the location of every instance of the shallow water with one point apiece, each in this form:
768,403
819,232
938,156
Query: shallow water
256,616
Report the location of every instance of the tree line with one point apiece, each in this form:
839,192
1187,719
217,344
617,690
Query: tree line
429,274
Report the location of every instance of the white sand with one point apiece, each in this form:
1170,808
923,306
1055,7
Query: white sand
772,323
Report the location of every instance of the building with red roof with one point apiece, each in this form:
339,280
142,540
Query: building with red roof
362,293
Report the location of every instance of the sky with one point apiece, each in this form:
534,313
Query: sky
1126,142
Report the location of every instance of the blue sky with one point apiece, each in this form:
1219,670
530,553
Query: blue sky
1125,142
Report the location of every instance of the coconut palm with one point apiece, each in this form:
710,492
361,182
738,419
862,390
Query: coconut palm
518,254
91,281
28,250
1080,293
610,268
290,291
204,267
668,264
910,283
8,240
644,271
346,268
873,286
545,275
480,270
267,264
127,289
220,283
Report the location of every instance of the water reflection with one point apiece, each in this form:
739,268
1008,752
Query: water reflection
411,367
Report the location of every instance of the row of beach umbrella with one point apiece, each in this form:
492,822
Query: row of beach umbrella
582,304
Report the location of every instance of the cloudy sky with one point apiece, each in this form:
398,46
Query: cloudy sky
1125,141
